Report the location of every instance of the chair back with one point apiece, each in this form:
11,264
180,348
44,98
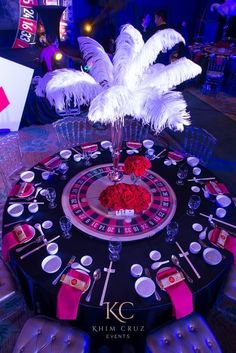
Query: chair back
70,131
11,161
134,131
216,63
199,143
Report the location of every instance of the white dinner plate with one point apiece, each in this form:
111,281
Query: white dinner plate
51,263
212,256
86,260
145,287
155,255
223,200
195,189
15,210
47,224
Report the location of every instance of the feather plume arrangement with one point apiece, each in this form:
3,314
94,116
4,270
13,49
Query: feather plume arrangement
171,75
160,41
66,85
131,85
129,44
98,61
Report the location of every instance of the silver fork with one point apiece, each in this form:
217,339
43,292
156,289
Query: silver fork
72,259
37,240
20,220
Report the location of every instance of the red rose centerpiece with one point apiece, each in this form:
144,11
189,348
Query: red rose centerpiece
125,197
136,166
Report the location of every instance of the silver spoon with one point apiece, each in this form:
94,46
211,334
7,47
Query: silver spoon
21,220
96,276
203,234
37,240
39,228
158,264
175,261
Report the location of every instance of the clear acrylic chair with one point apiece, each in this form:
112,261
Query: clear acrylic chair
70,131
199,143
214,74
134,130
11,161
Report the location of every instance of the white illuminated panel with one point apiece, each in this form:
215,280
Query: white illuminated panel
15,80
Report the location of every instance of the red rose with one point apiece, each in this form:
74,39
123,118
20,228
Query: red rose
137,165
125,196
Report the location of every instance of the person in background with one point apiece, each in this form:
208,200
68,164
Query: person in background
147,29
47,55
160,20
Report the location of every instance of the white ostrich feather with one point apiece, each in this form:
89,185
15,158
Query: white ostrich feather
97,59
128,44
160,41
171,75
40,89
69,84
110,105
158,110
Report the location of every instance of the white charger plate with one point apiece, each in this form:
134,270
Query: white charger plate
145,287
212,256
15,210
51,263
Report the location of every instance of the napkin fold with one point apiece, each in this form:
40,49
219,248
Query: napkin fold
51,162
22,190
89,147
10,240
230,242
179,293
215,188
68,297
175,155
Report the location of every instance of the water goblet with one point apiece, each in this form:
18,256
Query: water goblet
63,168
181,174
114,248
51,196
87,159
193,204
171,232
65,225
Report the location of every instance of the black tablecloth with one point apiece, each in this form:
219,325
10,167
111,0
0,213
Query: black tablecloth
41,294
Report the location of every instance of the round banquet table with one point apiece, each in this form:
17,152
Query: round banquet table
148,312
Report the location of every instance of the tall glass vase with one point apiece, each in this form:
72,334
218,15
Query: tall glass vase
116,138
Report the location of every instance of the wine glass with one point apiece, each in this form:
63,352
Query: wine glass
63,168
51,196
182,174
193,204
65,225
114,248
87,159
171,232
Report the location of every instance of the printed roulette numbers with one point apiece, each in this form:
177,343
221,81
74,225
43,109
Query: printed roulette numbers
80,202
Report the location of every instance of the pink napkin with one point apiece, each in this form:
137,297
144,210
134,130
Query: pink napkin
179,293
22,190
10,240
68,297
51,162
133,144
175,155
216,188
230,243
89,147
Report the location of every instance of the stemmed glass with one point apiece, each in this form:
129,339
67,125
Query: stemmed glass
171,232
65,225
87,159
193,204
114,248
51,196
63,168
182,174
